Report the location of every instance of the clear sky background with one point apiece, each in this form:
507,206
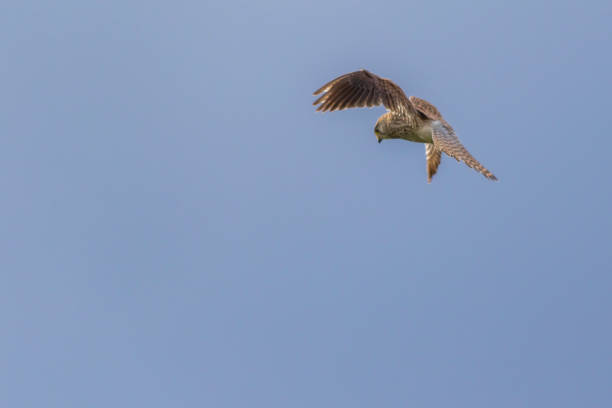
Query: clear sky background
179,228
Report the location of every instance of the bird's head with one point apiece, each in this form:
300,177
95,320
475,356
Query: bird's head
380,130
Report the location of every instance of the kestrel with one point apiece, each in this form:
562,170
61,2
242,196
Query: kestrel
412,119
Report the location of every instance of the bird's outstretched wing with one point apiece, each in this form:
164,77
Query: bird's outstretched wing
361,89
445,139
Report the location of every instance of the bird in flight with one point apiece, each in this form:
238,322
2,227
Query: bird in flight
411,119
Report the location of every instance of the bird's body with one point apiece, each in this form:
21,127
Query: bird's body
412,119
408,127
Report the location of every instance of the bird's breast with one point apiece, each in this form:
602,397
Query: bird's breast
420,134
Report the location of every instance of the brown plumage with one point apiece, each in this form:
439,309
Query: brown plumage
434,157
411,119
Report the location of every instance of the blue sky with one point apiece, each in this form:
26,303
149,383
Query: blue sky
181,229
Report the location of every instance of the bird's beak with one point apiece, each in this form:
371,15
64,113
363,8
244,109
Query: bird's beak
379,139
